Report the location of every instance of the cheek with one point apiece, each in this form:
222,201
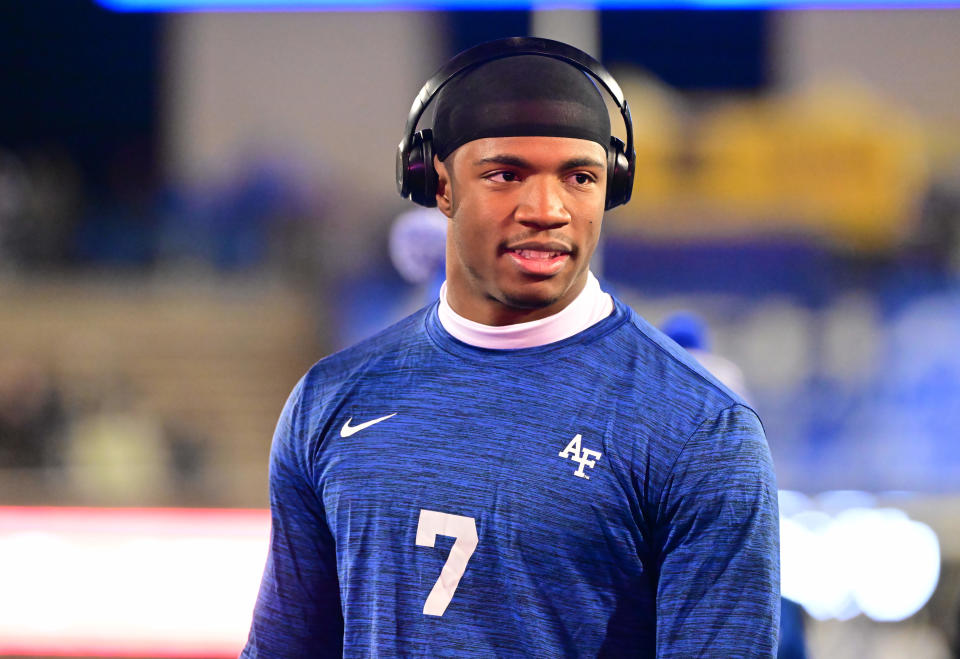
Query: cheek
593,219
595,225
474,226
469,237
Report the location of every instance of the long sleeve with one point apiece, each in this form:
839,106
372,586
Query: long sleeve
297,613
718,593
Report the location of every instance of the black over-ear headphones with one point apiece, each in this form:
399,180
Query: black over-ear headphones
416,176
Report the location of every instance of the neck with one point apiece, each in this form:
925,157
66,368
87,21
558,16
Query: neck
480,307
589,307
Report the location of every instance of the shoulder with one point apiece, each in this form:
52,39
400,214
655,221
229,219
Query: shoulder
673,397
325,382
384,346
669,371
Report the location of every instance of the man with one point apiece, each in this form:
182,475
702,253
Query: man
526,467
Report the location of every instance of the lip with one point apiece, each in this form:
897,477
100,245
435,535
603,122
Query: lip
540,245
532,258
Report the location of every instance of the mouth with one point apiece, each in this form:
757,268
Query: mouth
544,259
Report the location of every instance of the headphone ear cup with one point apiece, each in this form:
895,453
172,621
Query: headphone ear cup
419,176
402,167
430,178
410,166
619,174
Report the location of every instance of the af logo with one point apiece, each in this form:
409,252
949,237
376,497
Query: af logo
586,457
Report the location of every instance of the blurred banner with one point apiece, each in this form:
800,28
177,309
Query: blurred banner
129,582
340,5
142,582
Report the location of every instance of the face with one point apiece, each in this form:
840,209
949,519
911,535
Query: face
524,220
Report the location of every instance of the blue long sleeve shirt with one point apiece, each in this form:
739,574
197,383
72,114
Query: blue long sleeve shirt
598,496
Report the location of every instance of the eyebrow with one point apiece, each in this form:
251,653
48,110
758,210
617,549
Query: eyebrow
517,161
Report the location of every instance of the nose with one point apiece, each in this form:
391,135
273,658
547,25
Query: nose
540,205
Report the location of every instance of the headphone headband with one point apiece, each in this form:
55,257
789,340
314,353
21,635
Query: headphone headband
499,49
512,47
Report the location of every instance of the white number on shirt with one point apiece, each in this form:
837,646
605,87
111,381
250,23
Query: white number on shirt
464,529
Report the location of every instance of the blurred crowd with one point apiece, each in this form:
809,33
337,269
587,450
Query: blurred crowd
262,214
96,444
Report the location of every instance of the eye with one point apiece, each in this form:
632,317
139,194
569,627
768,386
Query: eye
503,177
582,178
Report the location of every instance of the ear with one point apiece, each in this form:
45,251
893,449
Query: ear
444,192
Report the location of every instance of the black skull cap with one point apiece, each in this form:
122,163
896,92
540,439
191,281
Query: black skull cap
519,96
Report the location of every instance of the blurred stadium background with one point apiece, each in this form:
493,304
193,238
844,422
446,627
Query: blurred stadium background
196,206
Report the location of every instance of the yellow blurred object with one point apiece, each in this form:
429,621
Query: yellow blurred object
736,151
851,165
118,457
658,138
834,162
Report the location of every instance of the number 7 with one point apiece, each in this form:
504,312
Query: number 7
464,529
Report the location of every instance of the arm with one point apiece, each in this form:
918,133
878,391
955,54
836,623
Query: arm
297,613
719,583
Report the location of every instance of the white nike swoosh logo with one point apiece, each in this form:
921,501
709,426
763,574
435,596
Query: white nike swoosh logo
348,430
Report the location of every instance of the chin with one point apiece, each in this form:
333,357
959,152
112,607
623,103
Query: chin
529,299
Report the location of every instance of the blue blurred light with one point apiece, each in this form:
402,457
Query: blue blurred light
370,5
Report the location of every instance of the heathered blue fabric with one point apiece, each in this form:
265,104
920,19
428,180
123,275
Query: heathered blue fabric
668,549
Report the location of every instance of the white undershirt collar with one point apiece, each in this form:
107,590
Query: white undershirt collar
589,307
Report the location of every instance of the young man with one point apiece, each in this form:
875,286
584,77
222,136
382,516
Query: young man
526,467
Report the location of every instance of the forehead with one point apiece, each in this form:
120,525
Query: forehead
538,151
